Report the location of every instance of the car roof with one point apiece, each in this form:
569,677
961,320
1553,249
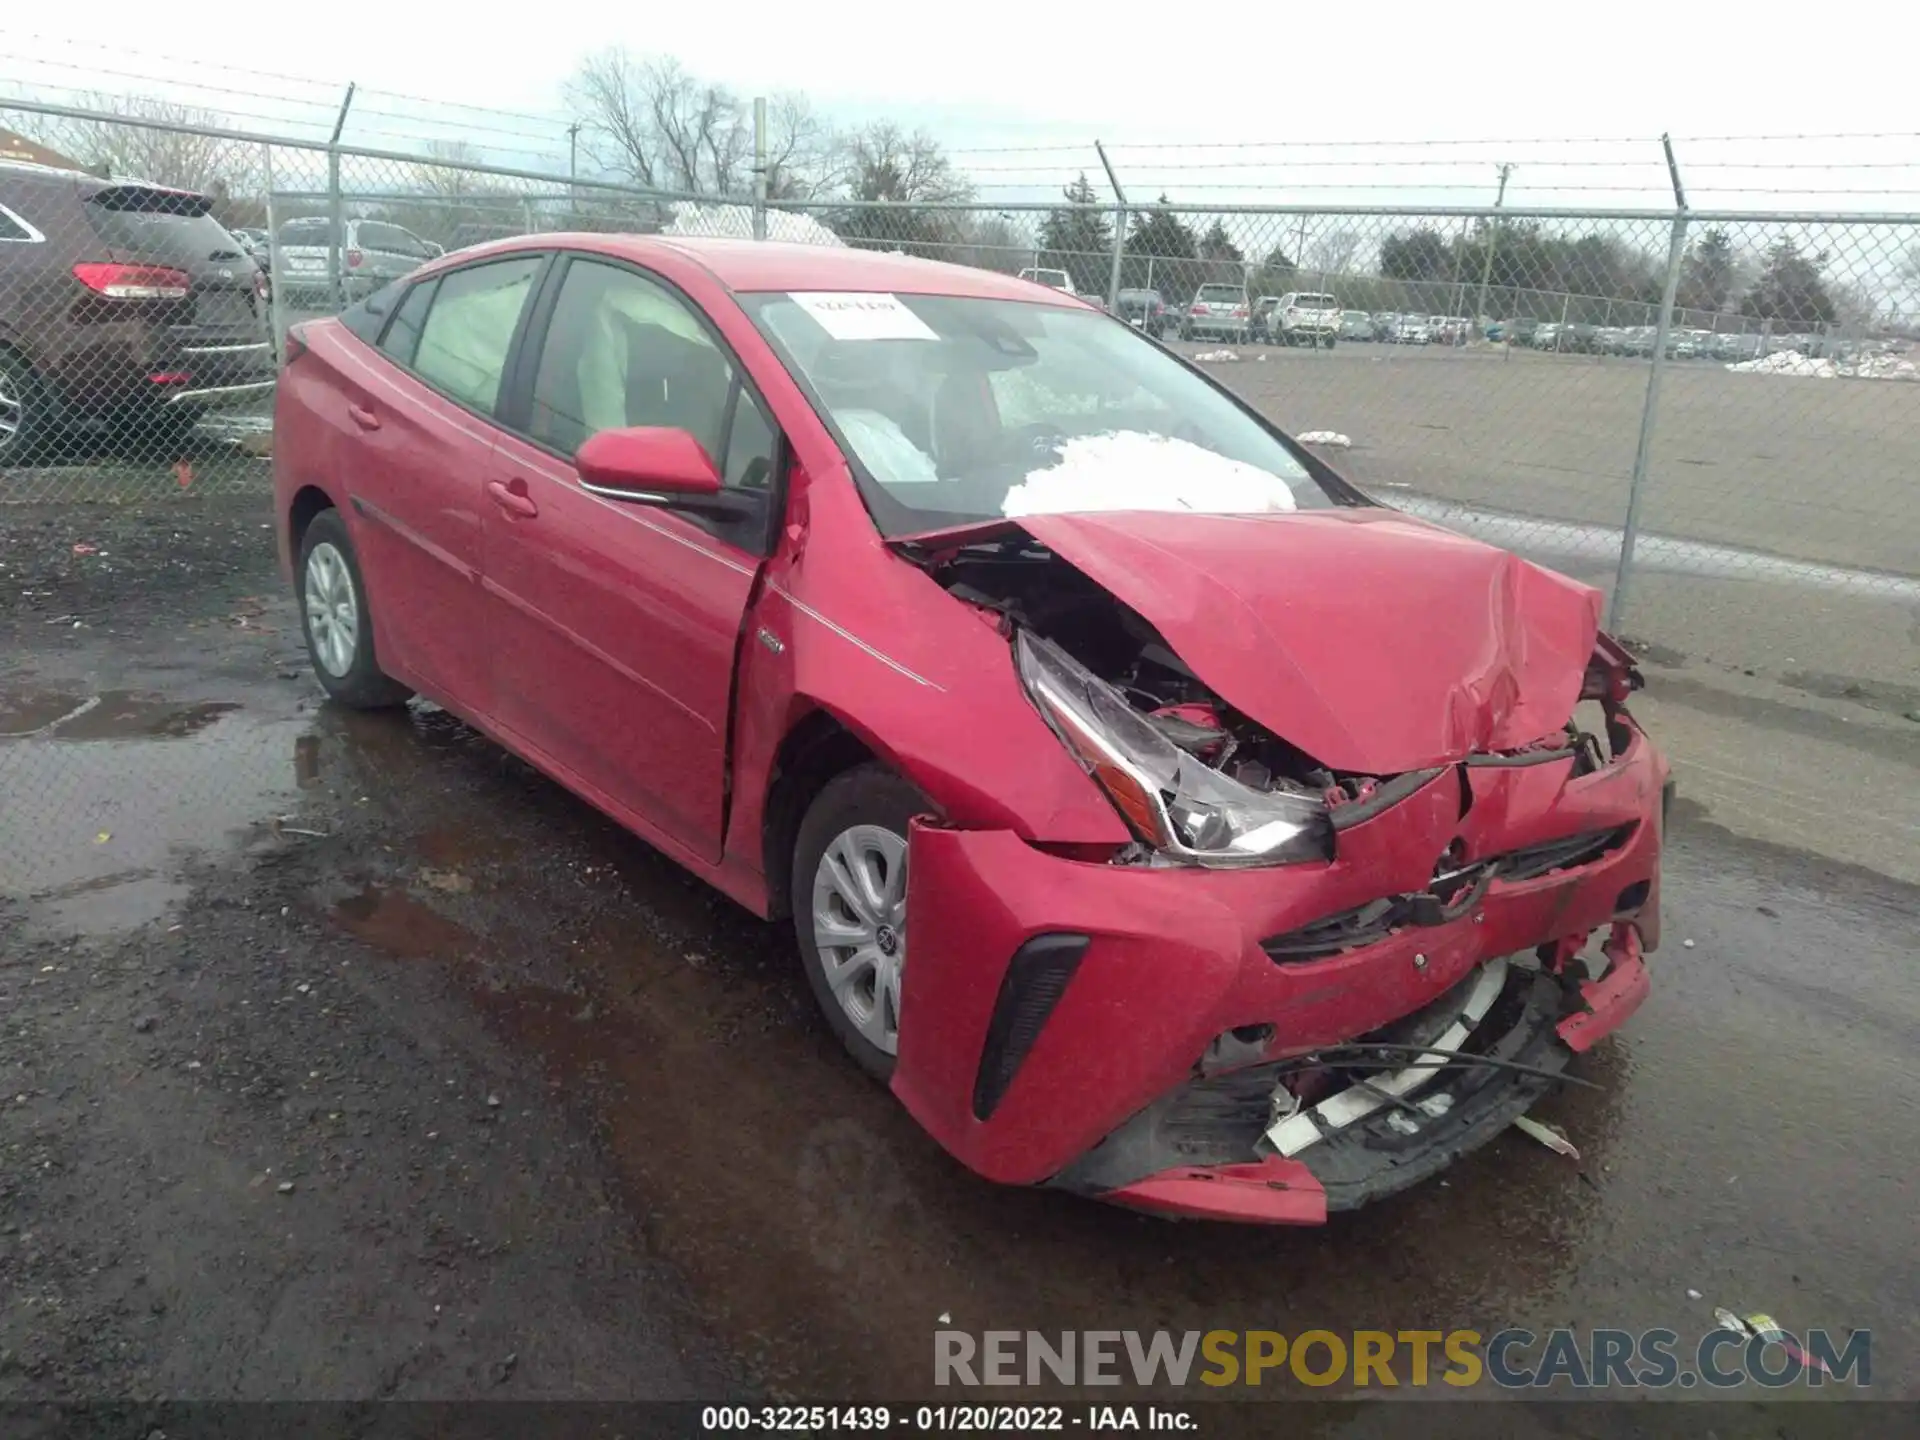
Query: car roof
757,265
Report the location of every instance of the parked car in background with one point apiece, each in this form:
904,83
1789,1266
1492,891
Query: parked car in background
1383,323
373,253
124,307
1410,330
1545,336
1580,338
1144,310
1303,317
1734,348
1259,818
1219,312
1519,330
1356,325
1053,279
1261,323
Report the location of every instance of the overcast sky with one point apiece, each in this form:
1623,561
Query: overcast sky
993,73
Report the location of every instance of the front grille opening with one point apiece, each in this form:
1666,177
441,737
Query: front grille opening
1376,920
1534,861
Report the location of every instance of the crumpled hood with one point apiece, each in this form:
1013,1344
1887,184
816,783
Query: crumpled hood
1374,642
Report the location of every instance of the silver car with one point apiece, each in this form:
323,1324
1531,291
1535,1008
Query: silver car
1218,311
373,253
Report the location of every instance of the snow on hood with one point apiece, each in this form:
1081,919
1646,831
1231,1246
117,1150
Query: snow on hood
1132,471
1373,641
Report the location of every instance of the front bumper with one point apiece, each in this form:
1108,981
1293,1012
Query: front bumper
1021,1070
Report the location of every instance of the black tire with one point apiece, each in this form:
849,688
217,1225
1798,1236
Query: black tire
867,795
1329,342
360,685
27,411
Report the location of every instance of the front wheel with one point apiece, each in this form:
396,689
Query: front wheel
337,622
1329,342
850,907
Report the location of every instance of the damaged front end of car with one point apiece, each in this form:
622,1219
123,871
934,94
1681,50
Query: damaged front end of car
1302,986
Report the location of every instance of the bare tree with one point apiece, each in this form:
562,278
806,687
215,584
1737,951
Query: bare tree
804,157
1334,253
887,163
130,146
654,122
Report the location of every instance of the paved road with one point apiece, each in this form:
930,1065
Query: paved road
680,1158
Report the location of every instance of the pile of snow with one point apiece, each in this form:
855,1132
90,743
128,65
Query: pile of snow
1331,438
735,222
1792,362
1216,355
1883,367
1786,362
1132,471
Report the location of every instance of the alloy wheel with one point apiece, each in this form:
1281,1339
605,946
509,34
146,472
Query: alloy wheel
333,611
860,928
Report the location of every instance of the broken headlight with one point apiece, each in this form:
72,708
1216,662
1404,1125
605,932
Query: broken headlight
1188,812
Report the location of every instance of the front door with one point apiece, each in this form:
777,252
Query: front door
614,627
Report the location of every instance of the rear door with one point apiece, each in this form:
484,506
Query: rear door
613,626
417,428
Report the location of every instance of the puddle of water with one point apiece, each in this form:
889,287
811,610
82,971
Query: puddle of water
392,920
104,798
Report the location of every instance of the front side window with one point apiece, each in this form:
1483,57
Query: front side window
959,409
623,350
469,329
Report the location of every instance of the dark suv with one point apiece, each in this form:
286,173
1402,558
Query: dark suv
122,305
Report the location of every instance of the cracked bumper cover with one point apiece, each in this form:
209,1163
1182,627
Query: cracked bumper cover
1173,961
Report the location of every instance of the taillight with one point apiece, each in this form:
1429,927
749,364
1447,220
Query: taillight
1197,309
133,282
353,259
260,283
1239,312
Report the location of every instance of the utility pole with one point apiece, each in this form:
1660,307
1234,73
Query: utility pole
1493,239
573,151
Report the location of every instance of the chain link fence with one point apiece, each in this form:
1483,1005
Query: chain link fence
1712,415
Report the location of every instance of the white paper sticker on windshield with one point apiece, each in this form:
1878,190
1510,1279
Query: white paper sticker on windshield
853,315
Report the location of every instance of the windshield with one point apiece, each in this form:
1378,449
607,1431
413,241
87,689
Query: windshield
1222,295
1315,302
960,410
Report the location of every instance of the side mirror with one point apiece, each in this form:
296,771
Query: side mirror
655,465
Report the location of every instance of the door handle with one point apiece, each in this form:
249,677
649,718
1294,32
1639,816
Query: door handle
512,501
363,417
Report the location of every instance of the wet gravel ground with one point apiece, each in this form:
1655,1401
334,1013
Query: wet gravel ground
558,1120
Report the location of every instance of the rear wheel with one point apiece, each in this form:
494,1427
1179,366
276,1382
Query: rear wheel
337,622
23,409
850,907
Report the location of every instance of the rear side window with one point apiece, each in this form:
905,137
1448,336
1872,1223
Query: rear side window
1314,302
469,329
160,225
366,318
403,336
15,230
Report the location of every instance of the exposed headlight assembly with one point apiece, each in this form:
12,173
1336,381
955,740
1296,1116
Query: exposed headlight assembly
1189,813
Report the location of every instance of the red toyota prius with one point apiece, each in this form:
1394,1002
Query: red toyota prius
1160,818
